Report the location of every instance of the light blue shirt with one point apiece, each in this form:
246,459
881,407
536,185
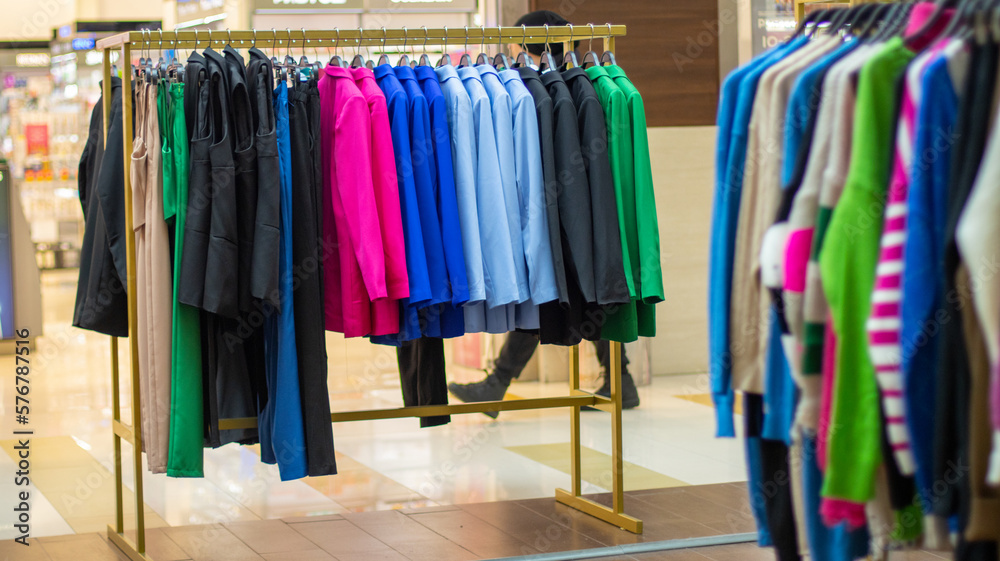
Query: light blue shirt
463,135
494,229
531,191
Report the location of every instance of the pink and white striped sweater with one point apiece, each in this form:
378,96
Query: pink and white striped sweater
884,322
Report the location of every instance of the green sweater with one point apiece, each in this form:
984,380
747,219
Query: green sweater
847,263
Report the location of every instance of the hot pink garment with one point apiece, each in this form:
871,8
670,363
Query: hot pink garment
833,511
385,313
350,215
797,259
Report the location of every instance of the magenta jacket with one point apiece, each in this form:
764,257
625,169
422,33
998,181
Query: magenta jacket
385,313
354,263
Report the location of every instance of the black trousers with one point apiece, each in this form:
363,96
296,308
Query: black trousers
307,300
520,346
422,374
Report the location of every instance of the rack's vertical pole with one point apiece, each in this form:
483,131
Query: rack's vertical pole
574,420
609,44
140,513
617,466
115,378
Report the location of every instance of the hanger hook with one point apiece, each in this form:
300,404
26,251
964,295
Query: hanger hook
337,29
466,47
609,31
446,39
274,39
425,38
161,39
195,38
210,38
304,41
254,30
524,37
482,39
590,44
406,38
547,38
361,35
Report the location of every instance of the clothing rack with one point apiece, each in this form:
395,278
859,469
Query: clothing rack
348,38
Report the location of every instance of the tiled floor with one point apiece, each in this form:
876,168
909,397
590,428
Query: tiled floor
383,465
447,533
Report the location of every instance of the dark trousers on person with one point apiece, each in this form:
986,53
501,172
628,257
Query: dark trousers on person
519,347
422,375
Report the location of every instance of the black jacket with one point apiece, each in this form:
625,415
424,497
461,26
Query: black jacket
101,299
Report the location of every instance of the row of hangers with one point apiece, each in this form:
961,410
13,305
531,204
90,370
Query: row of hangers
290,68
880,21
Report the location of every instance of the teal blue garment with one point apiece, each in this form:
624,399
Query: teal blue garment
839,543
282,434
531,202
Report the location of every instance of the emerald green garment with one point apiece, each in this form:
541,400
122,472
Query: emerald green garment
650,280
847,262
621,323
168,166
184,458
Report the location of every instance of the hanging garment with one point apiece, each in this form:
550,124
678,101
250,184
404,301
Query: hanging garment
385,313
650,272
848,265
418,274
550,183
460,130
101,298
532,207
567,323
621,323
153,278
356,276
612,285
185,458
922,284
306,267
494,227
438,318
282,435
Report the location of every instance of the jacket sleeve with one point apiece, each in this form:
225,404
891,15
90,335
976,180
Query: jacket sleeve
447,205
651,281
416,257
620,156
385,180
575,217
357,193
609,272
501,286
111,185
266,235
461,144
534,220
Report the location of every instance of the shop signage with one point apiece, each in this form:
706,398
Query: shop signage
31,60
352,5
83,44
423,5
37,139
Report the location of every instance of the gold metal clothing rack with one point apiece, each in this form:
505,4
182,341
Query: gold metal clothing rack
348,38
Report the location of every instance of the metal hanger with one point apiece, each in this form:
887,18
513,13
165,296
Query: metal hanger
590,58
304,60
501,60
569,56
404,59
466,59
545,62
358,61
446,57
608,58
524,57
425,59
384,59
336,60
483,58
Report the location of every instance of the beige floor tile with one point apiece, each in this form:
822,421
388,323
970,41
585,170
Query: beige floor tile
211,543
14,551
270,536
595,466
85,547
311,555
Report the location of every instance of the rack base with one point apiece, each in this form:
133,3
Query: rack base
126,545
599,511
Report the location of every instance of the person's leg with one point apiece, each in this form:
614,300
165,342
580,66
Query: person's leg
422,376
630,394
514,356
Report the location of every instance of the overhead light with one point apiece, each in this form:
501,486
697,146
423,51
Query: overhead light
32,60
201,21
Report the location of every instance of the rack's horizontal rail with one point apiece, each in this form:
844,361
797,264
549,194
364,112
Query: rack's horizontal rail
297,38
438,410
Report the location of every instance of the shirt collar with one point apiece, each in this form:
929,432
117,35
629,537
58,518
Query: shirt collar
425,73
404,73
615,71
361,73
468,73
446,72
337,71
510,75
485,69
551,77
574,72
382,70
595,72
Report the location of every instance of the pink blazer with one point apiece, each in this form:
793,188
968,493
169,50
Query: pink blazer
355,270
385,313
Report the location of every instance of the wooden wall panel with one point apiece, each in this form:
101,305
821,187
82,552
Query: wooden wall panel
671,52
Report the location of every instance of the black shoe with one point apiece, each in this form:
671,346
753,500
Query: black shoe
490,389
630,394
